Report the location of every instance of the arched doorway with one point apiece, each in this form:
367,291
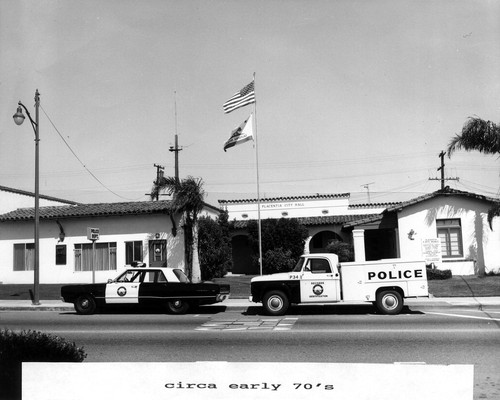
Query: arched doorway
320,240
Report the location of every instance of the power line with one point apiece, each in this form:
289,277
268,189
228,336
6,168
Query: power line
81,162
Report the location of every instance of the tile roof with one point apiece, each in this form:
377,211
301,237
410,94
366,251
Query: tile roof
307,197
31,194
373,205
326,220
447,191
90,210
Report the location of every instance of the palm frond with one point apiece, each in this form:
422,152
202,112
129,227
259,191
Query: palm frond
493,212
477,135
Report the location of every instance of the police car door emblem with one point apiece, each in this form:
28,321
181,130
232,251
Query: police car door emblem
122,291
317,290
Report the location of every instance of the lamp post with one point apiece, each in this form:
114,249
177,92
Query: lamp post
19,119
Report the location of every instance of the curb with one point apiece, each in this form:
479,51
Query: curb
431,303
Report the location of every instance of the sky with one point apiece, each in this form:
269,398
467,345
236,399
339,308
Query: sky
352,96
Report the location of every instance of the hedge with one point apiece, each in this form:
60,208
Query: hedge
30,346
434,274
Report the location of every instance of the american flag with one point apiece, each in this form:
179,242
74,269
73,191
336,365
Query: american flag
242,98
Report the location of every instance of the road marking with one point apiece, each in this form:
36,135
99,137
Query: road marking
242,324
484,311
463,316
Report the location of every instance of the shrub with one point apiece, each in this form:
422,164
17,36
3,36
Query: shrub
434,274
214,247
277,260
284,233
30,346
345,251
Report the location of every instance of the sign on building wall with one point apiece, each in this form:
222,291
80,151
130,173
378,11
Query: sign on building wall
431,250
93,234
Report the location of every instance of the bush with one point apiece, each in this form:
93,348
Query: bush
214,247
283,233
277,260
344,251
30,346
434,274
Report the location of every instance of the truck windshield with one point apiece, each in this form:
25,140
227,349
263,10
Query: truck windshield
299,265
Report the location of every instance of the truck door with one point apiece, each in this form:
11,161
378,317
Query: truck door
320,283
125,290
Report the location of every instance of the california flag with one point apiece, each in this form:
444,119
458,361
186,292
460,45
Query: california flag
241,134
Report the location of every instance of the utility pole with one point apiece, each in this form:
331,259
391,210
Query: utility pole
176,149
441,168
159,175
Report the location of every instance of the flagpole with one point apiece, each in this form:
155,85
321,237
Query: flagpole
258,184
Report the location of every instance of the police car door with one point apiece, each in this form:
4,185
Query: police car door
125,289
318,283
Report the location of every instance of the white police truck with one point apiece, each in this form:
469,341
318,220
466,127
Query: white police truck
320,278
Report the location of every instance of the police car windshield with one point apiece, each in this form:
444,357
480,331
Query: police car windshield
299,265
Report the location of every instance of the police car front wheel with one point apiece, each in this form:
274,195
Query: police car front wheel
275,302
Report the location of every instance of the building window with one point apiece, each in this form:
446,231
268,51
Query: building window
133,252
105,257
60,254
449,232
24,257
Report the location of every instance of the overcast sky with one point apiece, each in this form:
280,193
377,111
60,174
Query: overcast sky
349,94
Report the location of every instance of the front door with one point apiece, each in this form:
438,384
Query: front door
157,253
318,283
125,290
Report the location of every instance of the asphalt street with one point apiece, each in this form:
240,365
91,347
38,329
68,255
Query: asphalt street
340,334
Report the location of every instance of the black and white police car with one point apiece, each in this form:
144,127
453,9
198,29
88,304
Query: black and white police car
146,286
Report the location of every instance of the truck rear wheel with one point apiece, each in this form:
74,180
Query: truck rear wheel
389,302
275,302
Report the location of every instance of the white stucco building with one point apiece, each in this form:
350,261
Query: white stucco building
132,231
447,228
456,221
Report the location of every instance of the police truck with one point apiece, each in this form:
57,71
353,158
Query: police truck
320,278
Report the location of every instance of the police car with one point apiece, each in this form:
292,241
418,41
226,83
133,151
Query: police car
168,287
320,278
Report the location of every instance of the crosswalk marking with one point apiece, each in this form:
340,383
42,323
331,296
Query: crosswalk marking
243,324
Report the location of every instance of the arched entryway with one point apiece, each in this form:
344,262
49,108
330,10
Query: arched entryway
320,240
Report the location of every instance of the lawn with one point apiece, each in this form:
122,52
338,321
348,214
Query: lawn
466,286
457,286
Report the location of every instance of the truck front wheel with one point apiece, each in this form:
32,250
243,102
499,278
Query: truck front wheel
275,302
389,302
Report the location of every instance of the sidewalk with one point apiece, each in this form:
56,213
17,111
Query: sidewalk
431,302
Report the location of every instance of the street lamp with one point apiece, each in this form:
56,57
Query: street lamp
19,119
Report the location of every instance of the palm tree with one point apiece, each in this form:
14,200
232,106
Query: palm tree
482,136
187,199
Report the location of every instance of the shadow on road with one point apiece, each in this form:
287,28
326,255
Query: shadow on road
328,310
138,310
